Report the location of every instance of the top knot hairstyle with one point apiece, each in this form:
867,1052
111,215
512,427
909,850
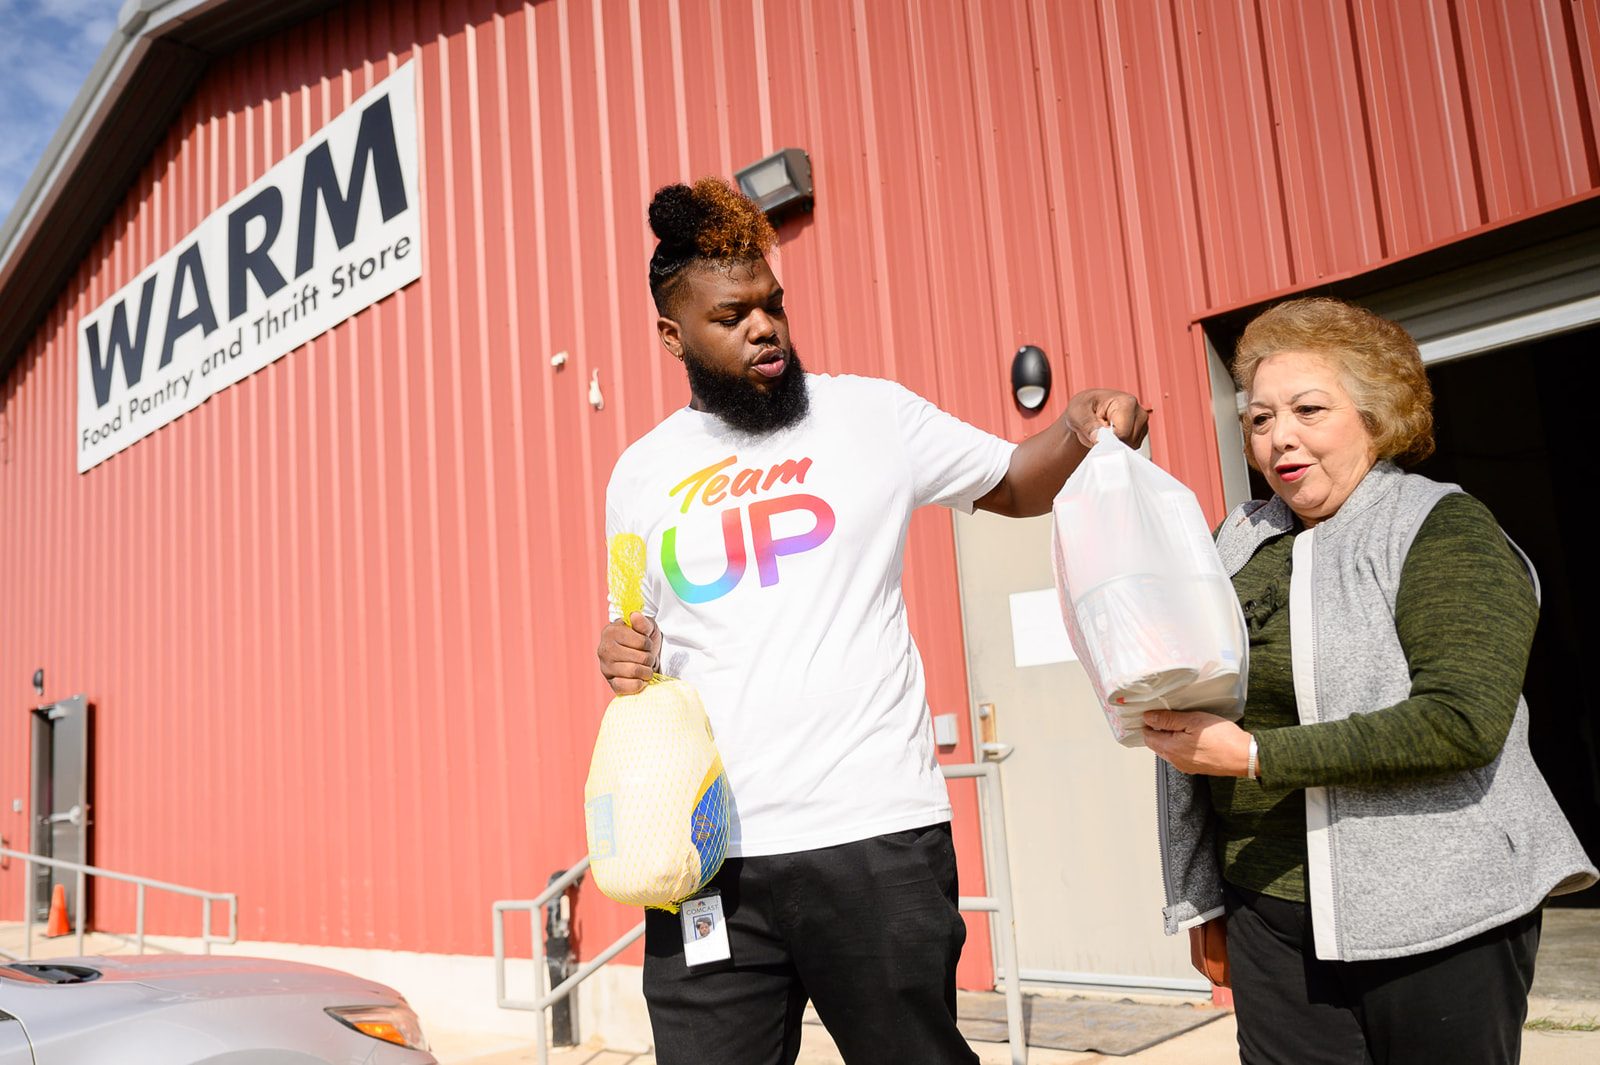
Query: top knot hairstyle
709,222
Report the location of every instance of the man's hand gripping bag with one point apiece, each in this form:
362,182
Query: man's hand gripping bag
1147,604
655,805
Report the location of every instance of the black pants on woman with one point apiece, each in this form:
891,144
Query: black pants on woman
1463,1004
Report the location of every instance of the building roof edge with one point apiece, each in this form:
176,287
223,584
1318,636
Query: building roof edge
134,92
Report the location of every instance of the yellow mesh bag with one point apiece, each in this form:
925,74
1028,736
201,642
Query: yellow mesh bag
655,804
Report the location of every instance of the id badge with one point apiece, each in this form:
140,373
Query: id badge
705,932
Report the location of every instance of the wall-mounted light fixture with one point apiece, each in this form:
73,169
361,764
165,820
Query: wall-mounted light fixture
38,682
780,183
1030,377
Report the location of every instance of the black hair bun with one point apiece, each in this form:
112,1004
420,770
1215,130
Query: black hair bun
677,217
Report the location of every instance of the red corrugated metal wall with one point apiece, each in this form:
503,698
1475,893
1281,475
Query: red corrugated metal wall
338,622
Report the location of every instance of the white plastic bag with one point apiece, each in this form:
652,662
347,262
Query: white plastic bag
1147,604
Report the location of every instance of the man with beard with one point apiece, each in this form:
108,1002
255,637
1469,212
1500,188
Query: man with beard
774,508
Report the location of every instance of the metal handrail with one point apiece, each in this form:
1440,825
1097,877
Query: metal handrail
997,905
538,1005
141,882
997,868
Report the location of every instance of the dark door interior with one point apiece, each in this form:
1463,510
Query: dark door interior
61,794
1514,429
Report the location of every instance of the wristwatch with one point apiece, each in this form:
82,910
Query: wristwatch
1252,766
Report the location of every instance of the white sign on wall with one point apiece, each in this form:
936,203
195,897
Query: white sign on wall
1038,634
328,231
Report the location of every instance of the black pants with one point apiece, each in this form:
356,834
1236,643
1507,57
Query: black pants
1462,1004
869,931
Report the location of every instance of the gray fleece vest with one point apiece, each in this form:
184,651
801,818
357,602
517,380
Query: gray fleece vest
1394,869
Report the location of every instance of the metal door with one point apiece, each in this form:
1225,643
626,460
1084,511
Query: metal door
60,797
1080,810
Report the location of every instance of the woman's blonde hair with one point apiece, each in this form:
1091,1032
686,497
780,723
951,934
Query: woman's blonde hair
1377,362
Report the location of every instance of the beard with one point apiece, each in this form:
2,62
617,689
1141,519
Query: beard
743,406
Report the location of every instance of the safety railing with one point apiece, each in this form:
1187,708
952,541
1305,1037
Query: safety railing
207,898
997,873
997,864
538,1005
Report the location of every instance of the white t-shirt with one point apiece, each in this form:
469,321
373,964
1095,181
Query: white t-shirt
774,574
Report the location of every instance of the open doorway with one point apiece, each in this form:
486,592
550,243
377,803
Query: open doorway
1513,429
63,783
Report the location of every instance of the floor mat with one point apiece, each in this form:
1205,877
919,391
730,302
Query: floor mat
1082,1024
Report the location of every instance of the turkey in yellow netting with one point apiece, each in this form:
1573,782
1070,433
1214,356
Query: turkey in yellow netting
656,805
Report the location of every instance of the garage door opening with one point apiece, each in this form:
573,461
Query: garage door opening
1514,429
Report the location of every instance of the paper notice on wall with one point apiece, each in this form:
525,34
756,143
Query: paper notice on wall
1038,635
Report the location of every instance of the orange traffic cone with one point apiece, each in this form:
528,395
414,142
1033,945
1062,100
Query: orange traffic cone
59,925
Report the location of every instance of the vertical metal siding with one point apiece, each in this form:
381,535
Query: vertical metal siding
338,621
1421,151
1371,129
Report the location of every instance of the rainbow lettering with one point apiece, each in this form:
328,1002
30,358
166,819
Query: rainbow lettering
711,486
733,544
767,549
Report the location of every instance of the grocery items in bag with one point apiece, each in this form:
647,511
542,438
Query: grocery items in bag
1147,604
656,806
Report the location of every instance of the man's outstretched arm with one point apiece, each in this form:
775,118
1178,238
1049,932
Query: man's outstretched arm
1042,463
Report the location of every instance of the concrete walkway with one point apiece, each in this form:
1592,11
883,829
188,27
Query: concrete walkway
1211,1044
1565,1001
1214,1042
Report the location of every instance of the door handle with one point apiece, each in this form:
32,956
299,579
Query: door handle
73,816
989,745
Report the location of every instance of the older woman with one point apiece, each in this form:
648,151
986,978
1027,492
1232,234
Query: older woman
1373,827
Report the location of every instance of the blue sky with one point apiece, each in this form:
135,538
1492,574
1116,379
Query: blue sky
46,50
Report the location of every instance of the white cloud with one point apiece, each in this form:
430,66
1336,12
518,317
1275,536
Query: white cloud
46,50
70,11
95,32
53,81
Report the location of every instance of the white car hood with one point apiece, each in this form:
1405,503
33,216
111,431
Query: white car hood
208,976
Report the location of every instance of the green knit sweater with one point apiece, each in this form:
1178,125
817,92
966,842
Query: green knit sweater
1465,614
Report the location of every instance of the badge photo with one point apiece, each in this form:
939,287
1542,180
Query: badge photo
705,933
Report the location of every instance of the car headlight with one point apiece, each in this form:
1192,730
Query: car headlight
395,1024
